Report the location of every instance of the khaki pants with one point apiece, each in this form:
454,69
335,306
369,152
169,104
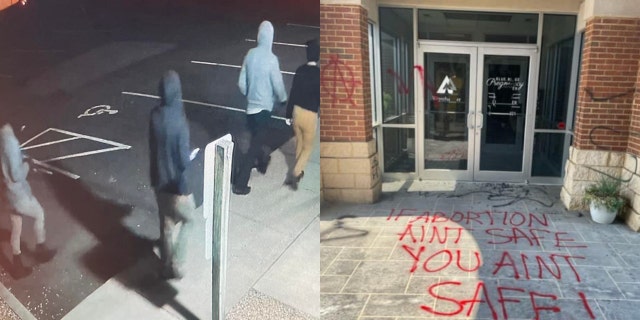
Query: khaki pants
32,209
174,209
304,126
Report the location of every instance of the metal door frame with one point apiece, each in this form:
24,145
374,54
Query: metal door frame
527,147
477,51
443,174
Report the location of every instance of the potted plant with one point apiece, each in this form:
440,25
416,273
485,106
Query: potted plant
604,200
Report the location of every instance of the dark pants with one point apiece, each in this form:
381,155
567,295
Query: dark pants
258,125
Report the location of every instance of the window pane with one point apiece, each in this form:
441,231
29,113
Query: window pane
446,134
399,150
547,154
477,26
396,63
555,71
504,108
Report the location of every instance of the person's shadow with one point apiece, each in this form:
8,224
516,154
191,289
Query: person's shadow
120,253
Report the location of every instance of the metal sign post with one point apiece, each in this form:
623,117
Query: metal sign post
217,183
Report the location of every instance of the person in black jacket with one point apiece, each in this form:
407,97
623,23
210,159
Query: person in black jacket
303,106
170,157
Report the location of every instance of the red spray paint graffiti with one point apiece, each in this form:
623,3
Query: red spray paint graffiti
339,81
431,240
481,289
404,89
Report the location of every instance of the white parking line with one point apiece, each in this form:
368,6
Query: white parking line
302,25
281,43
113,143
230,66
34,137
140,94
82,154
58,170
217,64
74,136
194,102
183,100
50,143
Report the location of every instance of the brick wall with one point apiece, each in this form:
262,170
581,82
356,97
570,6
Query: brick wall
609,95
348,156
609,71
634,137
345,101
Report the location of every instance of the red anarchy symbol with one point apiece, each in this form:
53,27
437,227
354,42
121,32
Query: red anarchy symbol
339,78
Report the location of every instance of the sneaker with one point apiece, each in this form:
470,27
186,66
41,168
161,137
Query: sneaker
19,270
241,190
44,254
292,181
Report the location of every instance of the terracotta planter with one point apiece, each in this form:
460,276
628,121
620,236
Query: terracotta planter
601,214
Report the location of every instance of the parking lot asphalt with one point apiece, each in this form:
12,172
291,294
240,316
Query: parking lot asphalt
78,81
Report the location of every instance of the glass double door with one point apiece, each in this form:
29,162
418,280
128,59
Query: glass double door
475,103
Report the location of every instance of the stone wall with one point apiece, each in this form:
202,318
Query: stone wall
350,172
585,167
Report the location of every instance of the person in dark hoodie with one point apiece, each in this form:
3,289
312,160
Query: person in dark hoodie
170,157
303,106
19,202
261,82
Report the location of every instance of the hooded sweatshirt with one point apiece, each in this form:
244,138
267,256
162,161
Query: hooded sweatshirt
260,78
15,188
169,139
305,90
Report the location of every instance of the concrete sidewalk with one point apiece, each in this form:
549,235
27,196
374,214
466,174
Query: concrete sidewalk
273,267
474,251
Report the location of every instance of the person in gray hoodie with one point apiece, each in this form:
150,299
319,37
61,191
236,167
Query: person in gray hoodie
261,82
170,157
19,202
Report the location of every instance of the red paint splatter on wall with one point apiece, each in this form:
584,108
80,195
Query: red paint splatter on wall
339,81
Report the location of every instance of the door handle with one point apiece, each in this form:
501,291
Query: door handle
480,123
510,114
470,118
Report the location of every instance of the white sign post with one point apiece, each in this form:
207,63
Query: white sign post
217,183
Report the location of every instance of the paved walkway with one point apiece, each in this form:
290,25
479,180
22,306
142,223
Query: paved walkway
273,260
474,251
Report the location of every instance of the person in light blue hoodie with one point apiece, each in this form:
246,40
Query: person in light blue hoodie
17,200
261,82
